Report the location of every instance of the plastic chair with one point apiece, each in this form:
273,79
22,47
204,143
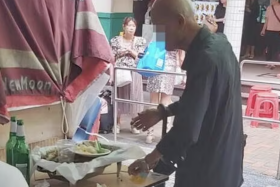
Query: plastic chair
252,98
272,101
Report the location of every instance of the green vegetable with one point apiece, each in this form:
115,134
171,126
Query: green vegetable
98,147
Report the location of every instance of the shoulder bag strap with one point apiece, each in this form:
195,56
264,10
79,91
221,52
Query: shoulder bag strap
275,14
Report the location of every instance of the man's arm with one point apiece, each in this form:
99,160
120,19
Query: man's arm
190,111
172,109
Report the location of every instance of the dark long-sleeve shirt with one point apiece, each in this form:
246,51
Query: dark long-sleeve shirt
206,140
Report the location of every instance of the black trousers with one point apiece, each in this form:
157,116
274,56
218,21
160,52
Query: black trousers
273,45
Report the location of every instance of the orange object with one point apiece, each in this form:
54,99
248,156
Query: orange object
252,98
272,101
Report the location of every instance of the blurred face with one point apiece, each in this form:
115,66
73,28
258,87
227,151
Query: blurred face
223,1
171,26
129,28
272,2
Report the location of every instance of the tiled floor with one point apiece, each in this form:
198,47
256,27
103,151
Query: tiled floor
262,150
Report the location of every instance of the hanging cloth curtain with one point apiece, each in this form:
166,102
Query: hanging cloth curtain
48,50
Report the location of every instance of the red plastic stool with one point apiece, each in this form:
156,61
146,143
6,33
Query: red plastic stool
271,99
252,98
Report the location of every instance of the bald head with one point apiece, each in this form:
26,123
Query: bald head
177,17
166,8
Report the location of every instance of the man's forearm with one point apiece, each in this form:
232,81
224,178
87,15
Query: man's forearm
172,109
168,111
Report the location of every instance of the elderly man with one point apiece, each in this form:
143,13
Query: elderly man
206,141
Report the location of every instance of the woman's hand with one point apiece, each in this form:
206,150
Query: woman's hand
262,32
133,53
123,52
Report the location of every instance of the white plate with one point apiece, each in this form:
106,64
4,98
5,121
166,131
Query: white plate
107,151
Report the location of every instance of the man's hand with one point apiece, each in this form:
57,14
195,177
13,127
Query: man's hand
144,165
137,167
146,119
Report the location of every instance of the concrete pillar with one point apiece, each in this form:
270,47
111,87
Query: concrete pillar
234,24
111,14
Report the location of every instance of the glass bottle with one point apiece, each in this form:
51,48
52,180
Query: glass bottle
11,142
22,152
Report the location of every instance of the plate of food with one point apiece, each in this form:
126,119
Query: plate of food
90,149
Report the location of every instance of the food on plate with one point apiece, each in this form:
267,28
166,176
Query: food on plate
51,155
86,149
89,147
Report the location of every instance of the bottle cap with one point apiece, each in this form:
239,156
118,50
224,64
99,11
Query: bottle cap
13,119
20,122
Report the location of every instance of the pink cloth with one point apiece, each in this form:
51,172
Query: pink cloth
49,49
95,128
273,24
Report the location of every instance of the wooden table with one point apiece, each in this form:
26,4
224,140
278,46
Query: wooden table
109,178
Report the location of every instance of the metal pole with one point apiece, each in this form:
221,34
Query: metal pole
134,102
260,81
115,105
150,71
261,119
257,62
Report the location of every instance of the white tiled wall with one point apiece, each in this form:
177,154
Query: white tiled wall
234,24
104,6
120,6
113,6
